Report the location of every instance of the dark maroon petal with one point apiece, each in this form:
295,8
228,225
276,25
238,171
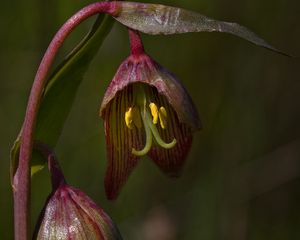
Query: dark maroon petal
119,142
171,161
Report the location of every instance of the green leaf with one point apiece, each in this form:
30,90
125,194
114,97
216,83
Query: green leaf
160,19
61,90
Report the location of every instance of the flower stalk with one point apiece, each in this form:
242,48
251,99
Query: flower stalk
136,44
21,179
170,120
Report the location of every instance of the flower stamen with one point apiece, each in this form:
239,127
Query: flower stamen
133,118
140,114
128,118
162,117
154,112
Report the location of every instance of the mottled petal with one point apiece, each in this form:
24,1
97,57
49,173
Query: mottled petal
119,142
133,69
71,214
143,69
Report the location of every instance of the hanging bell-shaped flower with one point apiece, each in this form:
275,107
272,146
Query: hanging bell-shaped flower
146,111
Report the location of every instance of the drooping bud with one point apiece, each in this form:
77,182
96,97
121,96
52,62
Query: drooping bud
69,213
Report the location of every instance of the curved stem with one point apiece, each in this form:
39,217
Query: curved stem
21,180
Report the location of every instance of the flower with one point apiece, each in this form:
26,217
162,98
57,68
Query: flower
146,111
71,214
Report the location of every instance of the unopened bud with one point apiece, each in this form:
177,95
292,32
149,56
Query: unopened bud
71,214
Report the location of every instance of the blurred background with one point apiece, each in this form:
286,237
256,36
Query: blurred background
242,177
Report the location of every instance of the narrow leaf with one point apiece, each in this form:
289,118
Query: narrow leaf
160,19
61,90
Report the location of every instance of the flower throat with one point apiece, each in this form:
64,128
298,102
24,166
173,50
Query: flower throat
145,112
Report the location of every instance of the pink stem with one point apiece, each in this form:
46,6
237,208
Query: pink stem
21,179
136,44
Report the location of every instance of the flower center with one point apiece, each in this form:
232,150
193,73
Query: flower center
146,113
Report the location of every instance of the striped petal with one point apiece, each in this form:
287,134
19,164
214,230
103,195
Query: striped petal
119,142
171,161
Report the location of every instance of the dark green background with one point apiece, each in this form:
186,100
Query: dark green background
242,177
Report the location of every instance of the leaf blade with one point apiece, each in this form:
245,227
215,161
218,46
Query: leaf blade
160,19
66,80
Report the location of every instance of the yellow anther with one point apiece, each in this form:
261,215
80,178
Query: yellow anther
132,117
129,118
154,112
162,117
